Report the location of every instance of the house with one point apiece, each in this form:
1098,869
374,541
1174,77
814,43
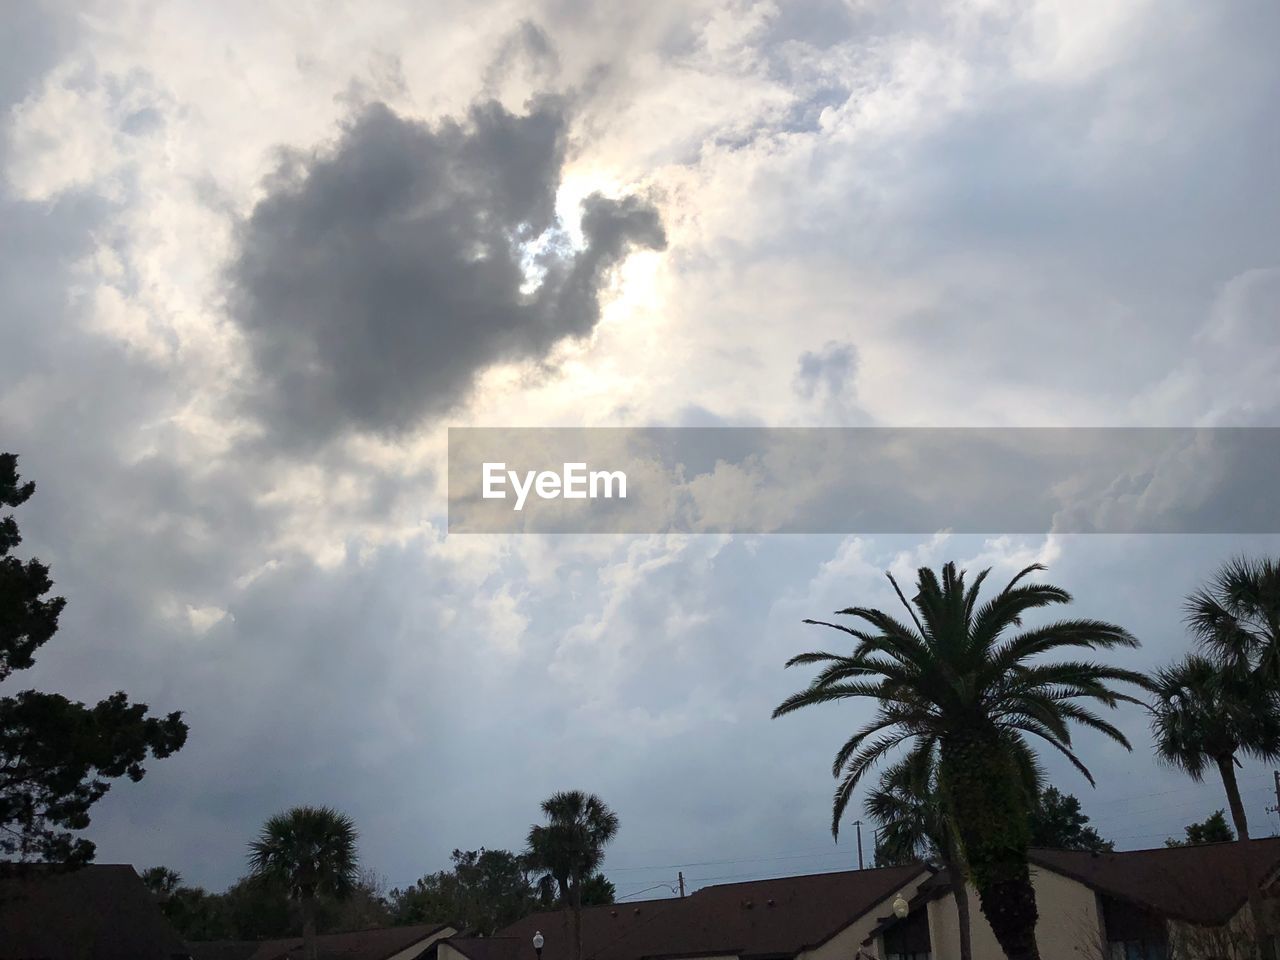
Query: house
816,917
1129,905
95,912
384,943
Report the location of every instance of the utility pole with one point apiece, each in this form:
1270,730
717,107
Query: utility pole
858,824
680,875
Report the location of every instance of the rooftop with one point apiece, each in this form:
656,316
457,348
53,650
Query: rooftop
102,910
759,918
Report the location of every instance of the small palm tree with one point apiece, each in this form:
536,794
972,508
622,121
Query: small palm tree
311,853
161,881
1236,616
1204,715
568,849
913,820
955,678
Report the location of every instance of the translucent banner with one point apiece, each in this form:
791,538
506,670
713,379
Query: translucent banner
864,480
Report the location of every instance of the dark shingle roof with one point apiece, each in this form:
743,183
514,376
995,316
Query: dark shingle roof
760,918
377,944
1203,884
102,911
355,945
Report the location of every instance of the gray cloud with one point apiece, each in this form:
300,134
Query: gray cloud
378,277
827,371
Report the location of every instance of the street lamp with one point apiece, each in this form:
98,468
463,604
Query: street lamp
900,907
538,941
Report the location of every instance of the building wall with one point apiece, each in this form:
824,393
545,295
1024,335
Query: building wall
846,944
446,952
1232,940
1069,927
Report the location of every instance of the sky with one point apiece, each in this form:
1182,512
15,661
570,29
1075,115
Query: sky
257,257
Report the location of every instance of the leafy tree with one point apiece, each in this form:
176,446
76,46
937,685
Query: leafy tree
598,891
485,891
197,914
1204,714
1212,829
1058,822
569,848
363,908
955,680
311,852
256,908
57,756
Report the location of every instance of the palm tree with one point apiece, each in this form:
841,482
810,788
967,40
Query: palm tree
955,680
311,853
1236,617
161,881
913,819
569,848
1236,620
1205,713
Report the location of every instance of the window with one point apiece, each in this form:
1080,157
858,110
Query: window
1138,950
909,939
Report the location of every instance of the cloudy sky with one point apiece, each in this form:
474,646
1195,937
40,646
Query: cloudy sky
256,257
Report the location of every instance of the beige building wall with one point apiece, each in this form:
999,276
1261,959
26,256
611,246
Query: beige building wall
1233,940
1069,927
846,944
446,952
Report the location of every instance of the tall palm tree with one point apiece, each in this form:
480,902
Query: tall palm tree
568,849
955,678
913,820
1204,715
1236,620
311,853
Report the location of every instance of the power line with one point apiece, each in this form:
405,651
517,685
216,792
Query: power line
658,886
827,853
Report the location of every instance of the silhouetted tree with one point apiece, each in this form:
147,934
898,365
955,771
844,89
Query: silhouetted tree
1058,822
57,756
311,852
1204,714
957,678
483,892
569,848
914,824
598,891
1212,829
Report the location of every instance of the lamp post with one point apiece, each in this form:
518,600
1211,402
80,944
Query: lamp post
538,941
900,907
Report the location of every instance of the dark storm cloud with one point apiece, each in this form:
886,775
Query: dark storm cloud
378,278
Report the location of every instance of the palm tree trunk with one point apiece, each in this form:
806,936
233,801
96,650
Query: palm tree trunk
960,893
577,920
1261,924
309,928
983,790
